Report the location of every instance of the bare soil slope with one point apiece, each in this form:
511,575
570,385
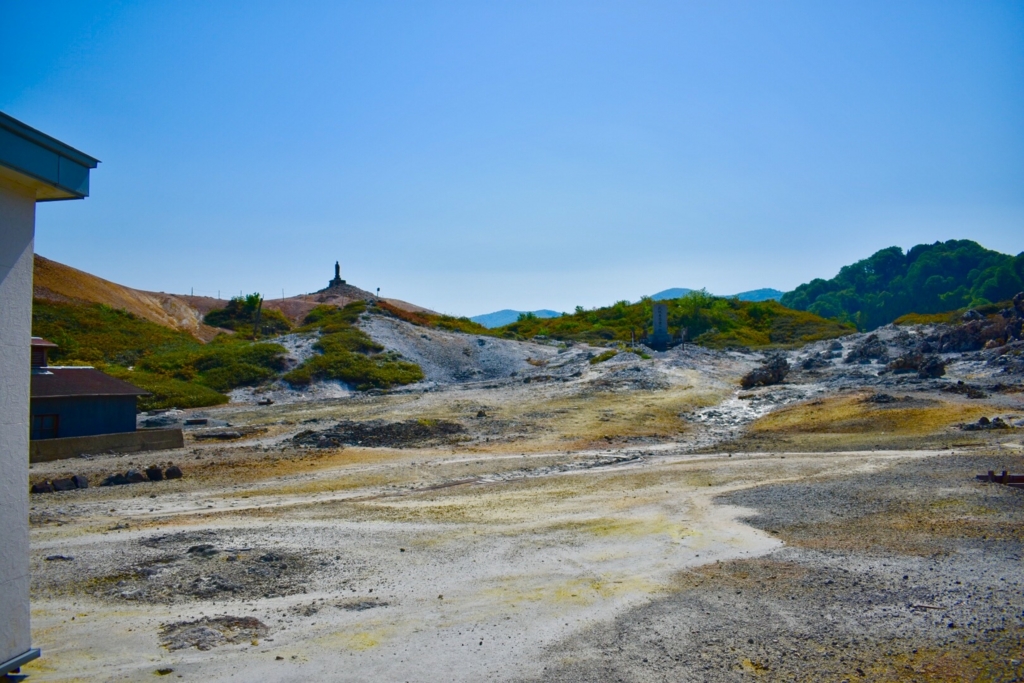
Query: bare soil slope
55,281
61,283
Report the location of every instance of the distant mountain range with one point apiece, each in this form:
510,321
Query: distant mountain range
508,316
753,295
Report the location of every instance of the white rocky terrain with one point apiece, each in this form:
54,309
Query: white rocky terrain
526,514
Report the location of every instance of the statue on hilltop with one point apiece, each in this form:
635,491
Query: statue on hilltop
337,276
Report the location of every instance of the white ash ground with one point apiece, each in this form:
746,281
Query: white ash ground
451,357
475,560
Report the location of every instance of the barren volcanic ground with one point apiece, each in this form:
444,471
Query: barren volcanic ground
537,517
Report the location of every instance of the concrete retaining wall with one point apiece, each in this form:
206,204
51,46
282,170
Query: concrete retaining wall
46,450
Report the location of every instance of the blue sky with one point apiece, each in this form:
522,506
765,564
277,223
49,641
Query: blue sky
472,156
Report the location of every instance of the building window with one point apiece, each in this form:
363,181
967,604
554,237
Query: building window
45,426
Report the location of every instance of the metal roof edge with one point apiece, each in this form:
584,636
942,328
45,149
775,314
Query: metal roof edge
43,140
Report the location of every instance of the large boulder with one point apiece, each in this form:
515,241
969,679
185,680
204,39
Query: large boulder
931,367
773,371
870,348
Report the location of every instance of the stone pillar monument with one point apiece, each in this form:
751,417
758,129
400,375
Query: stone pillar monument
660,338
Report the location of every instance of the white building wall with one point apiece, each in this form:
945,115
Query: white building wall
17,226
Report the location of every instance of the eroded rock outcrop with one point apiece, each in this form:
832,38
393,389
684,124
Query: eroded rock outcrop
773,371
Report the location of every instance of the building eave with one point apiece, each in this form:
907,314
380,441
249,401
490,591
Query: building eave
50,168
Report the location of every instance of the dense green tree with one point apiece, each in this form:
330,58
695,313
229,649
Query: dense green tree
929,278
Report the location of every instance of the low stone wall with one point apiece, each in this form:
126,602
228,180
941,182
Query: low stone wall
45,450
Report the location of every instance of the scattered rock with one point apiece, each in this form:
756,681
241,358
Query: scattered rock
59,558
80,481
773,371
115,480
220,435
984,423
815,361
209,632
154,473
870,348
173,472
965,389
377,434
63,485
134,477
931,367
42,487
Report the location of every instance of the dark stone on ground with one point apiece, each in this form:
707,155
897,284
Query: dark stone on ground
64,484
80,481
134,477
377,434
870,348
773,371
173,472
154,473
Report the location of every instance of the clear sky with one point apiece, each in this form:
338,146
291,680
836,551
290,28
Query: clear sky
472,156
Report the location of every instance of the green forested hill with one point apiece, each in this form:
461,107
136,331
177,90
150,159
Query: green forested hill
930,278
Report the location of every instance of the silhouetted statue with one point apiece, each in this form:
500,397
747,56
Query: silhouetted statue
337,276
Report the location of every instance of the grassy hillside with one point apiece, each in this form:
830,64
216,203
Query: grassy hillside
183,372
177,368
928,279
709,320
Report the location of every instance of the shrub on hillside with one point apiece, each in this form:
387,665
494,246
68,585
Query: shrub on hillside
240,315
